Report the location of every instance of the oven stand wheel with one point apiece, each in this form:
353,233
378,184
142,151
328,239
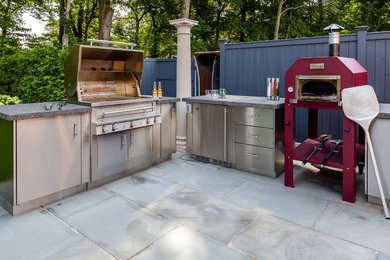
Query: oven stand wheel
361,167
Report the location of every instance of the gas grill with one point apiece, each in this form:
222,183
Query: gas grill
122,120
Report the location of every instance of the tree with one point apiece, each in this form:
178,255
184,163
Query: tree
279,14
106,12
185,9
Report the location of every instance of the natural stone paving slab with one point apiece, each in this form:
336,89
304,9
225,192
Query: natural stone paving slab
119,227
3,212
84,250
279,202
183,244
211,216
34,235
143,189
273,238
70,205
204,180
363,228
383,257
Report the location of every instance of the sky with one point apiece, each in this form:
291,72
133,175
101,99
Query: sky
37,27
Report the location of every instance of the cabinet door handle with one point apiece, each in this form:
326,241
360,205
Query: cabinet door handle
251,135
253,155
225,134
74,129
123,141
254,116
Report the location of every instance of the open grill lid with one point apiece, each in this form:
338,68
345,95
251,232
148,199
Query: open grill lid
98,74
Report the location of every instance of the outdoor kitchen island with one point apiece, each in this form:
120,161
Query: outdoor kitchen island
244,132
46,155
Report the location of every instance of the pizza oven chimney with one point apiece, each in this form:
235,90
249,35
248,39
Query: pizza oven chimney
334,39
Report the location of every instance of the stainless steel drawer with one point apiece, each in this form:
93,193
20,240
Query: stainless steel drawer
255,136
254,116
255,159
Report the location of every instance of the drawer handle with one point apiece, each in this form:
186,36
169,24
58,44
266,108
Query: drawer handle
253,154
254,116
251,135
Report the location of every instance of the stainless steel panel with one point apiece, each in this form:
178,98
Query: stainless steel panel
379,130
7,160
85,147
209,122
255,136
254,116
166,129
113,148
48,156
255,159
118,152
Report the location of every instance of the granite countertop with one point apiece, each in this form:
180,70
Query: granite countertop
37,110
384,111
232,100
165,100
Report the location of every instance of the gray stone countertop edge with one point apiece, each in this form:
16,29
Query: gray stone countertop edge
384,111
250,103
36,110
166,100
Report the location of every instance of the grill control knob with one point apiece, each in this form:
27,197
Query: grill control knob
114,127
132,124
104,129
148,121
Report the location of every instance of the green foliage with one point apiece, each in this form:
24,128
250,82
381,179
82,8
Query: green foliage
34,75
8,100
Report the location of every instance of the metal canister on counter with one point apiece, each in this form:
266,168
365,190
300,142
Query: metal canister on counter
276,89
222,93
268,88
272,88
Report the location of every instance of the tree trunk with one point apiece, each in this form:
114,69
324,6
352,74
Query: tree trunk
289,20
154,51
105,19
65,36
277,22
61,28
243,19
88,19
185,9
203,10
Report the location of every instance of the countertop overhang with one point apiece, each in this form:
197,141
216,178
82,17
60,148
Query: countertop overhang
37,110
233,100
384,111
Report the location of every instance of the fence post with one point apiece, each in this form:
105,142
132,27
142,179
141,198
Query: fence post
222,62
362,44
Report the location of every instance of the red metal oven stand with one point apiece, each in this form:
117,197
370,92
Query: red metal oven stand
348,73
349,151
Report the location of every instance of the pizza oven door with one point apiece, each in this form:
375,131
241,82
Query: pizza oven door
318,88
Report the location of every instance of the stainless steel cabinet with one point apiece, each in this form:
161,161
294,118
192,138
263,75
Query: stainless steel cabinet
210,131
49,155
246,138
118,152
259,140
379,130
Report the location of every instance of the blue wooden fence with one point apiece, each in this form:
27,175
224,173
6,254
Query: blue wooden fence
163,70
244,68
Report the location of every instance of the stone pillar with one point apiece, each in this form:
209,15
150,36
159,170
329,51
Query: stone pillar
183,75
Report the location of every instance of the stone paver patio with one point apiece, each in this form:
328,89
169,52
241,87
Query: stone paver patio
185,209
